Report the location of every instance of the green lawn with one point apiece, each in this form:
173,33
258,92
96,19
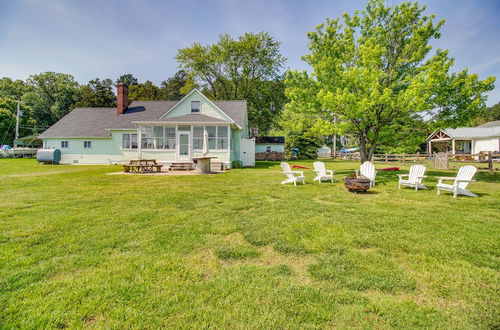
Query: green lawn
79,248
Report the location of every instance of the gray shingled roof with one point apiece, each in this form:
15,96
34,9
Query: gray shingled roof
95,122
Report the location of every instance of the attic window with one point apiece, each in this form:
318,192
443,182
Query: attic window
195,106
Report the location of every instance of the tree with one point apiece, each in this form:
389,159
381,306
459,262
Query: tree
146,91
8,110
13,89
52,96
98,93
374,70
127,79
174,88
488,114
247,68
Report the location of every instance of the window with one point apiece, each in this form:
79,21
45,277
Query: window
198,138
212,133
170,138
268,149
157,137
129,141
64,144
87,144
222,137
195,106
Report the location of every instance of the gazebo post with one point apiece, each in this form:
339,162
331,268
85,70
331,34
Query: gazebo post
429,150
453,146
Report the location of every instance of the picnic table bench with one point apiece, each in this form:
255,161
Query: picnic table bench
142,166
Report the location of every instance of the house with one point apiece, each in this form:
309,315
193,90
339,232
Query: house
466,140
168,131
270,143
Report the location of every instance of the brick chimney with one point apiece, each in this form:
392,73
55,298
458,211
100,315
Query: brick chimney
121,98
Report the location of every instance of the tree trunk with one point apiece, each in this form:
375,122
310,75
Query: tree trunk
362,148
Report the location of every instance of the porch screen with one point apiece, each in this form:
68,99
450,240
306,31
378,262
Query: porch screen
198,138
158,137
222,137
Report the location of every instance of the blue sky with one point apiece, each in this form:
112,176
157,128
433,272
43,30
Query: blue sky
98,38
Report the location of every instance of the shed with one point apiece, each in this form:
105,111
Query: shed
270,143
466,140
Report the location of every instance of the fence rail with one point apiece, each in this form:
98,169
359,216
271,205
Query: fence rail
484,158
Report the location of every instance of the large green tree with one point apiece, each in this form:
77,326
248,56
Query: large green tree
98,93
175,87
52,95
145,91
245,68
374,69
13,89
127,79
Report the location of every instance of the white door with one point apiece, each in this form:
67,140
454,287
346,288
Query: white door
247,152
184,150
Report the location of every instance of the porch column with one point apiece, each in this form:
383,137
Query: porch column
139,142
453,146
429,148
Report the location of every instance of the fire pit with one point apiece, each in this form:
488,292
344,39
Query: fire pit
357,183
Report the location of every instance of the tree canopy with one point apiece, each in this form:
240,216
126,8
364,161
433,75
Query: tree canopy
373,71
98,93
245,68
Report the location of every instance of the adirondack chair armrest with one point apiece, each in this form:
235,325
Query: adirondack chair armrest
444,178
461,180
329,171
421,177
402,175
294,172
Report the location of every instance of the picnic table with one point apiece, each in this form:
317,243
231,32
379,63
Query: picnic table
142,166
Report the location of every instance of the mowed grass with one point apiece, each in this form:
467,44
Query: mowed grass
79,248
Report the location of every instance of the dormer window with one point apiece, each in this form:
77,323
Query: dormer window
195,106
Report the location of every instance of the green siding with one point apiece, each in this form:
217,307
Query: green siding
184,107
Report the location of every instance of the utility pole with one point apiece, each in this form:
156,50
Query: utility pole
17,123
334,141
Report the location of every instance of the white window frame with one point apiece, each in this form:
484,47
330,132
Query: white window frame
130,141
65,144
199,107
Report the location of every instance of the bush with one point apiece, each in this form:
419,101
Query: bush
306,142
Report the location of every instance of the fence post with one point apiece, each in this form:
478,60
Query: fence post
418,156
386,160
403,158
490,162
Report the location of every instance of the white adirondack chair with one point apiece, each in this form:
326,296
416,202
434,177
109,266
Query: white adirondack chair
292,176
322,173
414,177
367,169
460,182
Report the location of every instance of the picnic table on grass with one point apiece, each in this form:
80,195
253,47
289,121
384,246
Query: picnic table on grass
142,166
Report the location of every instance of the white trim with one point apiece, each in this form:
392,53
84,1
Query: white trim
173,123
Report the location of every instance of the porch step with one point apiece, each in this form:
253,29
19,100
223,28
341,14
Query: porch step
181,166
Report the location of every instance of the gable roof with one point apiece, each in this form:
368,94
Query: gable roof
472,132
491,124
96,122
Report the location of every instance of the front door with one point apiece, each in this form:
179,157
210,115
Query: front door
184,147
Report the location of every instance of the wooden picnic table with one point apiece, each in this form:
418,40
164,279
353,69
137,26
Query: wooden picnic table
142,166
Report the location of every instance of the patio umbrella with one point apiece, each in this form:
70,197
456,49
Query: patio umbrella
205,143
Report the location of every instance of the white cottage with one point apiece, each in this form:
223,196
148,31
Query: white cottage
466,140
